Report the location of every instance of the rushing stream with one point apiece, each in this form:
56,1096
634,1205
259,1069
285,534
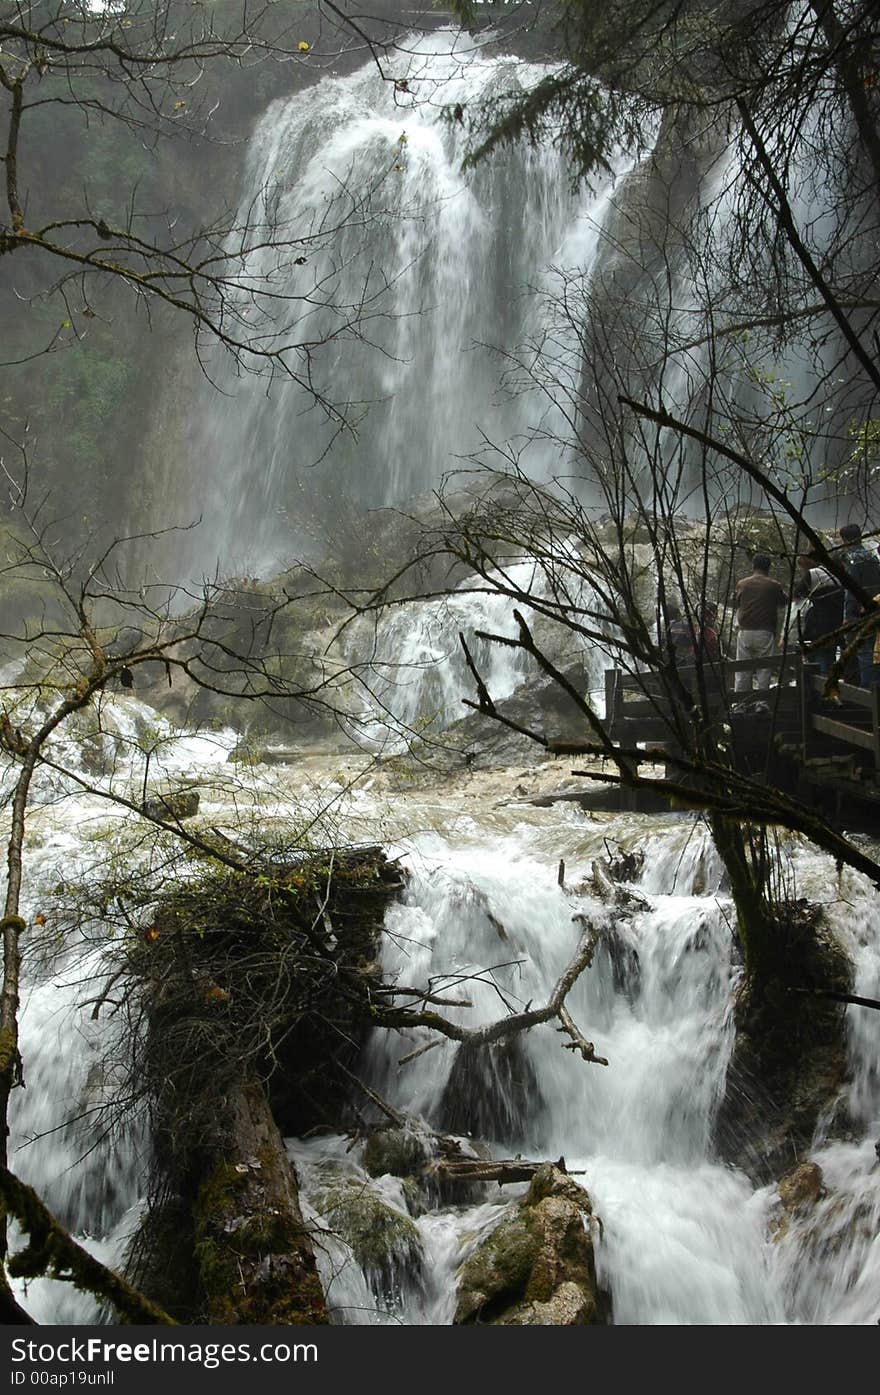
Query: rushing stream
682,1238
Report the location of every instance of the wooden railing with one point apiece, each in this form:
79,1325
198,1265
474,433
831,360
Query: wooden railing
638,705
640,697
866,737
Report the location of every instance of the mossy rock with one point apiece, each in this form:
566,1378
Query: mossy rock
536,1266
385,1242
400,1152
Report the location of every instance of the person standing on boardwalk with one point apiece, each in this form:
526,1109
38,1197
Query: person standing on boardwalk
863,565
760,603
823,613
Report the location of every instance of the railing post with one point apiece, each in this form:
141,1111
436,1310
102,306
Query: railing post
612,690
806,673
875,725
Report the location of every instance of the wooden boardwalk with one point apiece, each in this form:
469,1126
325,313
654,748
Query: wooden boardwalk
824,751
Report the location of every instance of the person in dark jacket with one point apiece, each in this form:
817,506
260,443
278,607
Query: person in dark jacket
863,565
823,614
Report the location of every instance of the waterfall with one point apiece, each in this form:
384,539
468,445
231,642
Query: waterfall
73,1138
683,1239
416,276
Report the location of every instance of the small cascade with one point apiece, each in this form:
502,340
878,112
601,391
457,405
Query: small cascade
683,1238
418,673
67,1140
827,1260
73,1138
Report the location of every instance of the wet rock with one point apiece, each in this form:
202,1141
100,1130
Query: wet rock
802,1187
492,1092
402,1152
536,1267
478,742
412,1155
789,1060
626,968
800,1190
383,1240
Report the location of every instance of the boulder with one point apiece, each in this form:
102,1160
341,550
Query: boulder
492,1092
536,1266
799,1192
789,1060
383,1240
400,1152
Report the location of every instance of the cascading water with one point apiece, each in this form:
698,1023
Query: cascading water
419,674
425,278
682,1239
72,1137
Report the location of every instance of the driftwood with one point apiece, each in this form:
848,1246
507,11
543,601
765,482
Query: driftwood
502,1171
609,889
403,1018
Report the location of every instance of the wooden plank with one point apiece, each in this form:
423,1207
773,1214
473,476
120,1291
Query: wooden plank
777,660
612,677
859,697
853,736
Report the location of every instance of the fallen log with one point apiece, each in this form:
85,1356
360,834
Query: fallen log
502,1171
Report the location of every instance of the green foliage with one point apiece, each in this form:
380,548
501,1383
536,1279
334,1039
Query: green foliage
620,64
86,387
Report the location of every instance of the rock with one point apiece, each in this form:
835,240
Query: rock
400,1152
492,1092
176,804
536,1267
802,1187
384,1241
413,1156
626,968
800,1190
789,1059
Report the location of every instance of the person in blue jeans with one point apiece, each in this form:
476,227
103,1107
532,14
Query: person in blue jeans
863,565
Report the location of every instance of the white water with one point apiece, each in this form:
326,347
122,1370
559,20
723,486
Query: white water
419,675
683,1239
90,1174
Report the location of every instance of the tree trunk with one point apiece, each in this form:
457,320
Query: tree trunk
254,1256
